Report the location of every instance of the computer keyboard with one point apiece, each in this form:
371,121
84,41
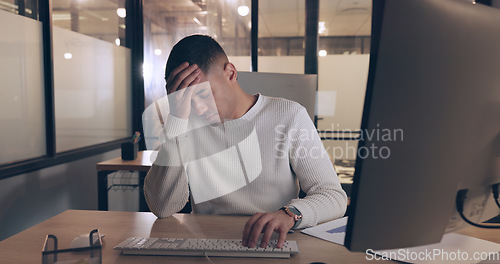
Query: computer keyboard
203,247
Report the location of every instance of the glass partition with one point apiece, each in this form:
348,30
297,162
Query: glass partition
232,30
92,83
281,36
22,103
167,22
100,19
27,8
343,58
9,6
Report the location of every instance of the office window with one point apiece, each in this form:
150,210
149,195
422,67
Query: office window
344,37
27,8
281,36
167,22
9,6
100,19
230,23
22,104
92,82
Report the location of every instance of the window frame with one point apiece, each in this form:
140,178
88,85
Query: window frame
133,41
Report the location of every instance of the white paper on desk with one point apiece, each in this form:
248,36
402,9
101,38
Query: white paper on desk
333,231
454,248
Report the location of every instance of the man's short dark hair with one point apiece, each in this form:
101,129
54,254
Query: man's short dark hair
201,50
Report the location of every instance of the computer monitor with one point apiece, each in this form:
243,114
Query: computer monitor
431,122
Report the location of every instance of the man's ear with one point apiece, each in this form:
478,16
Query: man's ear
230,72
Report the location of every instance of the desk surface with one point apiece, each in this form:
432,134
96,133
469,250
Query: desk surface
26,246
141,163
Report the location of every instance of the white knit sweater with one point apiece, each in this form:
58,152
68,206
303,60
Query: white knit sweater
291,153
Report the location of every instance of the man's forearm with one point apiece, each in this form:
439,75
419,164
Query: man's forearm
323,204
166,190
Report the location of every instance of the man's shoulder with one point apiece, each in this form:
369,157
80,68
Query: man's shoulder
281,105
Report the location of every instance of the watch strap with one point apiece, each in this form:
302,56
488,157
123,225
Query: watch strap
294,213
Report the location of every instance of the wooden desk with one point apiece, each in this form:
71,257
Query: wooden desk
142,164
26,246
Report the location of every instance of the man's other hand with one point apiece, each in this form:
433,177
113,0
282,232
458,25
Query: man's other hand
267,223
178,83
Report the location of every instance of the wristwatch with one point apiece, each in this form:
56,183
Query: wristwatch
294,213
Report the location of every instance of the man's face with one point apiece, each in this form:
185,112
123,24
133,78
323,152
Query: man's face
214,101
203,102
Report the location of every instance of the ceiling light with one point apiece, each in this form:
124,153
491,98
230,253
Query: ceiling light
322,53
321,27
157,52
58,17
243,10
68,56
121,12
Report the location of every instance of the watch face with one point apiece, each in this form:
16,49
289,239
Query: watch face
294,211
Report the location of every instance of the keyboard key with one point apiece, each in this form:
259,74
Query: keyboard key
173,245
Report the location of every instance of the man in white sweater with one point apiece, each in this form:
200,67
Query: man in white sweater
251,156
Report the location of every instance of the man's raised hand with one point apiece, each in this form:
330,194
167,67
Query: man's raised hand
179,90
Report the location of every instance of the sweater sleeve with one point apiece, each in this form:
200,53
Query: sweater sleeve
166,185
325,199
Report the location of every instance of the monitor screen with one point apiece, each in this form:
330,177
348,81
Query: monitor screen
431,122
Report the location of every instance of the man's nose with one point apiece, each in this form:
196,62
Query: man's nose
199,106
